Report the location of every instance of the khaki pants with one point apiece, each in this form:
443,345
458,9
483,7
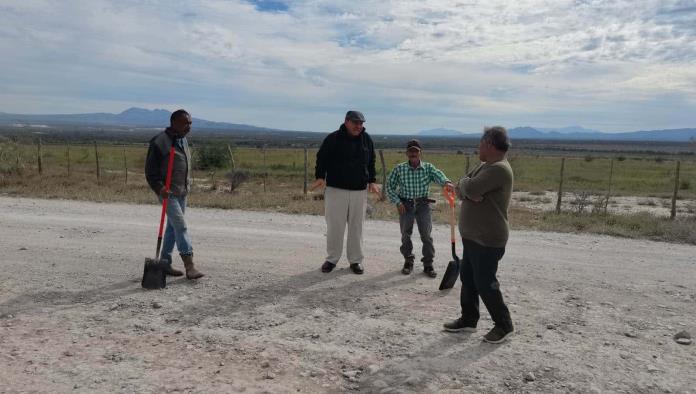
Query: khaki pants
343,207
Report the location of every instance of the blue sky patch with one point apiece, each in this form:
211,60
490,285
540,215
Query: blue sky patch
269,5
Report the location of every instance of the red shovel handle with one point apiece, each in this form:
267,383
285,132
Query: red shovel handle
167,186
449,195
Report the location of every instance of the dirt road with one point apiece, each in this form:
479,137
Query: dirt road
592,313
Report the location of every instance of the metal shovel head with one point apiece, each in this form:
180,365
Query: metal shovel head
451,275
154,276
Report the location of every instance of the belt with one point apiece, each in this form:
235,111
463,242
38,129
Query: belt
417,200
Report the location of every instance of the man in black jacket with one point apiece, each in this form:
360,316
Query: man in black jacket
156,172
346,167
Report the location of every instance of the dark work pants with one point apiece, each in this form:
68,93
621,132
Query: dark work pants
477,271
420,213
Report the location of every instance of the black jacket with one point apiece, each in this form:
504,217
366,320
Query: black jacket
157,162
346,162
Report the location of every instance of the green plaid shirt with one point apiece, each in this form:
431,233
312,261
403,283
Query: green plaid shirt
408,182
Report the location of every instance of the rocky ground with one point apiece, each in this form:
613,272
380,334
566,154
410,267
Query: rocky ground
657,206
592,313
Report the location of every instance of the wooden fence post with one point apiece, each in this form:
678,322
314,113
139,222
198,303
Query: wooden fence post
38,157
264,168
560,188
466,170
125,163
96,156
673,214
384,174
68,156
611,175
306,172
229,150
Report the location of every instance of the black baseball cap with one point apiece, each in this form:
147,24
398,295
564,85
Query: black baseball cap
413,144
355,115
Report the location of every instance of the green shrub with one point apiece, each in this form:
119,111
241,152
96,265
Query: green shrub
211,156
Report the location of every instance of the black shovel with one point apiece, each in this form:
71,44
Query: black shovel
452,271
154,276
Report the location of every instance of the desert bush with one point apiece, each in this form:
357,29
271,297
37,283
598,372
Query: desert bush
580,201
211,156
621,158
684,185
588,158
236,178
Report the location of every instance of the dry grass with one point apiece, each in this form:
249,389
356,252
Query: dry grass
284,188
284,194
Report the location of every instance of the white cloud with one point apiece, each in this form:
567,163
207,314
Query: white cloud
411,64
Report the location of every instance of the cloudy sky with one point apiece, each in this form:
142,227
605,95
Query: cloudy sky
614,65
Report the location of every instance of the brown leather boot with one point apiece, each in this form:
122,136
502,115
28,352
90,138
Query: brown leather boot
191,271
171,271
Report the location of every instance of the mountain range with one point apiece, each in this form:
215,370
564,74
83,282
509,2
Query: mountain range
577,133
158,118
132,117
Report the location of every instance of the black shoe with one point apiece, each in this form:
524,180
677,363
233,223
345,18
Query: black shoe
408,267
498,334
460,325
430,271
357,268
327,266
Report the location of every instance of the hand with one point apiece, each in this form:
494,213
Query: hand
164,193
401,208
318,183
450,187
374,188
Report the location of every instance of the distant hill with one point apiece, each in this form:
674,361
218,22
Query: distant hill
567,130
133,117
159,118
672,135
440,132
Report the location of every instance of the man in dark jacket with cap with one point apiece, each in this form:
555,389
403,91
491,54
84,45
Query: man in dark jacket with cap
156,172
346,167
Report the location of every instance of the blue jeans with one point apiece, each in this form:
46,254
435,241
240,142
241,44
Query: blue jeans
176,231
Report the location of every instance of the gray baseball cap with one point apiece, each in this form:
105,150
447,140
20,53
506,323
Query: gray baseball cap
355,115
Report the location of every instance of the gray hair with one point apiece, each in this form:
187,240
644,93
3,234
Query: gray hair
498,137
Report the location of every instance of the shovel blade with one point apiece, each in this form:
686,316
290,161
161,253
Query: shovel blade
154,276
450,276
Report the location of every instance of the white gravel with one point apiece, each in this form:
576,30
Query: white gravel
265,319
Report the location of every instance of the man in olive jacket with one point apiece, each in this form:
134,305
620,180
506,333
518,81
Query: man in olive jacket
156,173
483,224
346,167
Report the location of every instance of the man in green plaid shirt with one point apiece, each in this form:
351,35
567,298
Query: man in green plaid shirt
408,187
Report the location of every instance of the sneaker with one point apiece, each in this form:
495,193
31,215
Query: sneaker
498,334
430,271
459,325
327,266
408,267
357,268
